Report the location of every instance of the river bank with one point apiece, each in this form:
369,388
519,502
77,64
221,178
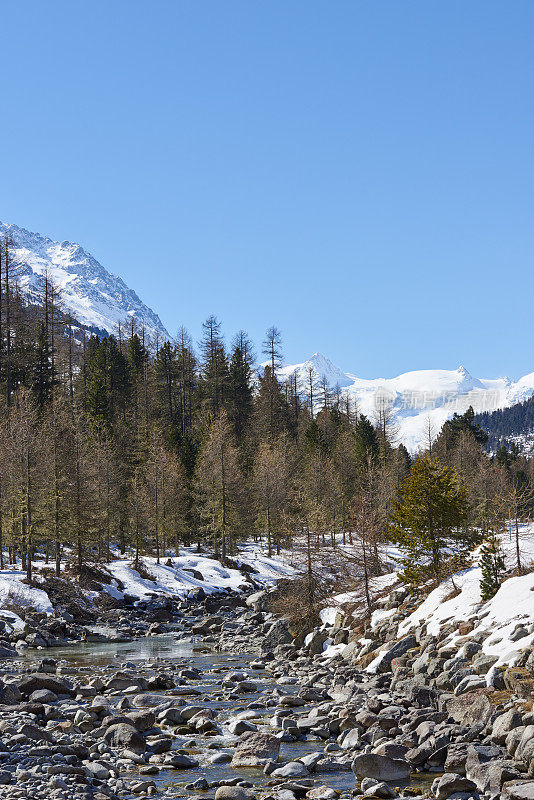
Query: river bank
225,704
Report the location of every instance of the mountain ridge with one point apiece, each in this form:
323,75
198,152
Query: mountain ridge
95,296
417,398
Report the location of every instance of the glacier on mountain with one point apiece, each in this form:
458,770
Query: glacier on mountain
419,401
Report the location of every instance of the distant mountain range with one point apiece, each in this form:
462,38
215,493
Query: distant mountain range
417,399
94,296
100,300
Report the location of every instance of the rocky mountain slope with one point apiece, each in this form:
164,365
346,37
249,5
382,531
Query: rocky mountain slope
95,297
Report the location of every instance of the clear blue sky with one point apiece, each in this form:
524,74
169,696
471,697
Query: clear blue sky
360,173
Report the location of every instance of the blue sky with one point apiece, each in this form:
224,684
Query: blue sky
359,173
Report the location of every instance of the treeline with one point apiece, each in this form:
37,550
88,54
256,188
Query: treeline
121,444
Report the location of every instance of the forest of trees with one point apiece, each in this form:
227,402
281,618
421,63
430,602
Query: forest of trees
121,445
504,424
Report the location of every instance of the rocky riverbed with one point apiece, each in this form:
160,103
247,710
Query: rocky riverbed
219,701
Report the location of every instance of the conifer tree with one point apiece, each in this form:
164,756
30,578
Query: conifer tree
219,486
240,394
493,567
429,521
214,367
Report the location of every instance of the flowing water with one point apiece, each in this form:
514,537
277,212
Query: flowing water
169,649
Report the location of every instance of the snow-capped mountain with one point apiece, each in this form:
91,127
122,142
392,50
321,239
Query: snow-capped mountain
417,399
94,296
322,369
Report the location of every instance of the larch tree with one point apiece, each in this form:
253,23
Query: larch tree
219,484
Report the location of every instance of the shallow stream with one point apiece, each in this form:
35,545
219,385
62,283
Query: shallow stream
173,650
213,664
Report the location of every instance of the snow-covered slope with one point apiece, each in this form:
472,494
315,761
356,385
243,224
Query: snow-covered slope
417,399
93,295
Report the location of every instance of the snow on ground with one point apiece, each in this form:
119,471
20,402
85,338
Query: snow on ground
16,595
458,600
190,571
376,586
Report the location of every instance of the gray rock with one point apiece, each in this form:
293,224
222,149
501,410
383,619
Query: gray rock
255,749
383,768
142,720
293,769
277,634
180,761
43,696
380,790
310,760
125,736
525,747
36,734
470,709
351,739
504,724
33,683
317,640
239,726
486,767
399,649
257,601
96,770
220,758
322,793
233,793
449,783
518,790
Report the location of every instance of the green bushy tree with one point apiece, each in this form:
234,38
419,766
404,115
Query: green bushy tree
428,520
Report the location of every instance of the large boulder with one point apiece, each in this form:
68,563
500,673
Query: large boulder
240,726
33,683
315,642
518,790
293,769
472,708
257,601
125,737
142,720
450,783
525,748
504,724
233,793
180,761
351,739
255,750
486,767
277,634
382,768
9,694
399,649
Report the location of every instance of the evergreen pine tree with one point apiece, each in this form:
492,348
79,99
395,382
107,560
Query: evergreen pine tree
493,567
429,521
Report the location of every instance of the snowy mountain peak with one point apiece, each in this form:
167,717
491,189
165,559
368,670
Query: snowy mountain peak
322,369
416,398
467,382
94,296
